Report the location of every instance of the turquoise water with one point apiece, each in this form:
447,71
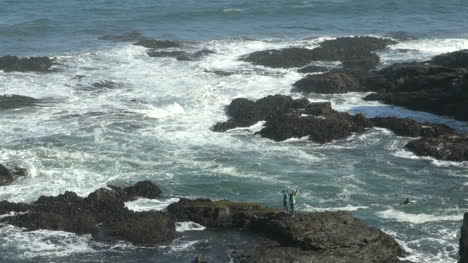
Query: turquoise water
154,123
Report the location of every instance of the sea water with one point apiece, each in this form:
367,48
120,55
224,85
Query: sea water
154,121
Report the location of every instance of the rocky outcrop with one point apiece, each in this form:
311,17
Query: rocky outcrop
452,147
101,213
181,55
340,49
463,250
312,69
457,59
286,118
16,101
157,43
411,128
142,189
443,81
311,237
339,81
14,63
9,174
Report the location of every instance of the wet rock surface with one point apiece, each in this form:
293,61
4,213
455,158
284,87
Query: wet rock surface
10,173
14,63
331,82
311,237
411,128
453,147
101,213
339,49
286,118
443,81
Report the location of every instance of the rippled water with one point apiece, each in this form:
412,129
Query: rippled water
154,122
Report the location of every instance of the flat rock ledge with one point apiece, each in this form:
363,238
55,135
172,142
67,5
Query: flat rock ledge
309,237
288,118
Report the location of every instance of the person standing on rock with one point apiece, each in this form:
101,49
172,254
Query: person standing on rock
285,200
292,202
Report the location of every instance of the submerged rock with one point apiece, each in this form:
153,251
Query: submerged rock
463,250
157,43
453,147
16,101
14,63
134,35
9,174
180,55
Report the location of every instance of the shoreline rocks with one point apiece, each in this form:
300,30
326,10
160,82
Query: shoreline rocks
287,118
304,238
37,64
102,214
442,81
309,237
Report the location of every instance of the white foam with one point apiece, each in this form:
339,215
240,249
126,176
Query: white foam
43,243
309,208
144,204
416,218
168,111
249,130
410,155
188,226
12,214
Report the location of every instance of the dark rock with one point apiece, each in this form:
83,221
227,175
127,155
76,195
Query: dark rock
105,84
156,43
286,118
125,37
282,58
312,69
420,86
411,128
463,250
9,174
145,228
340,49
311,237
13,63
142,189
16,101
102,211
216,213
180,55
7,207
457,59
452,147
330,82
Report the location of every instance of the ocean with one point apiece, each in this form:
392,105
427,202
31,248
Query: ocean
153,121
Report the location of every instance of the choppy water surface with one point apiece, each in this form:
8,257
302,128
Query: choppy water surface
154,121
